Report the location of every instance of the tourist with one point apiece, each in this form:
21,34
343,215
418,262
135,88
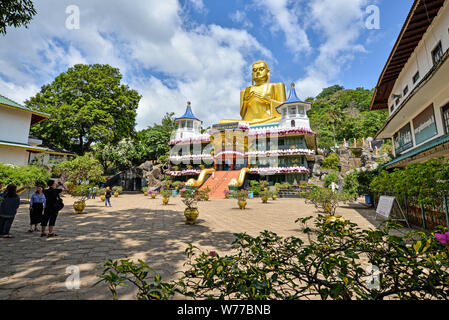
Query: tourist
107,197
37,205
94,192
89,195
8,210
52,207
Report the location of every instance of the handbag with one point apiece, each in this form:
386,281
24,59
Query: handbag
59,204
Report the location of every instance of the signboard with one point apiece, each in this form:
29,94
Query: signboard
403,139
425,126
385,206
226,126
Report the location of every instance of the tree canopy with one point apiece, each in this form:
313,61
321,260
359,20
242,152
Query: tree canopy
15,13
346,112
88,104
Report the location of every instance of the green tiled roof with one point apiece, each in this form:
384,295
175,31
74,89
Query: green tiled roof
6,101
426,146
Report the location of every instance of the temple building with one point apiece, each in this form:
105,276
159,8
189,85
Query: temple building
273,141
414,87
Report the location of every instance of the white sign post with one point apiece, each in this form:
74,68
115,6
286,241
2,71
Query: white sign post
385,207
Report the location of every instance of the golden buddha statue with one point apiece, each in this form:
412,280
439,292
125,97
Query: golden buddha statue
259,101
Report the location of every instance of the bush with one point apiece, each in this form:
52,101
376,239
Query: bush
331,162
23,176
325,200
118,189
331,177
333,265
240,194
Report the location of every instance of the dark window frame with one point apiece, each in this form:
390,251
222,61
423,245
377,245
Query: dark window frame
416,77
405,91
445,116
437,53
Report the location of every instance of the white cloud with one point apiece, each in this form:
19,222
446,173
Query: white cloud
240,17
281,17
207,65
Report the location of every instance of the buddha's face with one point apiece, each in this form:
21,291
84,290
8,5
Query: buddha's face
260,72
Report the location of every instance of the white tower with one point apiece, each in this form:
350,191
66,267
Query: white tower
188,125
294,112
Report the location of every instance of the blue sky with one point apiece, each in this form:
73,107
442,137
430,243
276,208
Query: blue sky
201,50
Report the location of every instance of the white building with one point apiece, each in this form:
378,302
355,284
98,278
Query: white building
414,86
16,145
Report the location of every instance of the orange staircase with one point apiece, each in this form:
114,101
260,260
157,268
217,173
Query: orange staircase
219,183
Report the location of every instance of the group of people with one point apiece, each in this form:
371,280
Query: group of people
45,205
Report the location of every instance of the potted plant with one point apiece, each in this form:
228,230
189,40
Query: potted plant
227,194
204,194
117,190
274,195
80,192
265,195
241,196
264,185
153,194
278,186
176,185
166,194
145,191
190,198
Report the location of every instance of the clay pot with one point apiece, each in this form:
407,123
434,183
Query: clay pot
242,204
103,198
264,199
191,215
274,197
153,196
165,201
145,193
116,194
79,206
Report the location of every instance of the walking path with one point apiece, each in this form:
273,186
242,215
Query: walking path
135,227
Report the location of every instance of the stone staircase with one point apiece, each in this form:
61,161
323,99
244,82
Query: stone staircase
219,183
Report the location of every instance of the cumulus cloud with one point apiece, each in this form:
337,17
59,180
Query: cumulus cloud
165,62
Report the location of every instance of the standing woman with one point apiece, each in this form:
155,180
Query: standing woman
8,210
51,207
37,205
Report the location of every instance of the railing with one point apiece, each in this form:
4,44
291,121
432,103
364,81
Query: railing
426,216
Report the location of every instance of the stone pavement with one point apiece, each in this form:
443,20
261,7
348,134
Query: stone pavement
135,227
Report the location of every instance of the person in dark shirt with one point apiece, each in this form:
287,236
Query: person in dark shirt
107,197
37,205
8,210
50,212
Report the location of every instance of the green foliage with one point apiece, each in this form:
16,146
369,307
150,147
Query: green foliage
80,170
331,177
427,181
15,13
346,112
332,265
351,184
88,105
255,187
23,176
331,162
324,199
118,189
240,194
166,193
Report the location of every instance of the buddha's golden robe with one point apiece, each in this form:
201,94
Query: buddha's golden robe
258,103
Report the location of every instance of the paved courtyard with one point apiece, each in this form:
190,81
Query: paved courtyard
135,227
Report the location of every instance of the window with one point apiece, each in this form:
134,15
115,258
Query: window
293,123
392,108
189,124
437,53
405,91
416,77
445,112
398,100
301,111
292,111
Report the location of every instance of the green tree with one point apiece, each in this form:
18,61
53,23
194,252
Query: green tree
88,105
15,13
80,170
